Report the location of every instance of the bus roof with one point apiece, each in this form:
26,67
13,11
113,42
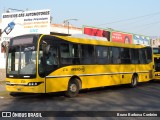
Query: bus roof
90,40
99,42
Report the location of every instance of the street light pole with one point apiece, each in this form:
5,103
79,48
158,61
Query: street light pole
8,10
68,27
67,21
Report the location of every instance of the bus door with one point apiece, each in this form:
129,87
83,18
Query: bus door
49,60
157,67
51,65
157,64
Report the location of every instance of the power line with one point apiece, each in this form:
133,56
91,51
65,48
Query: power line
146,26
126,24
140,26
123,20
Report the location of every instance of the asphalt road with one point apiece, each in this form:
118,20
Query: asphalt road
145,97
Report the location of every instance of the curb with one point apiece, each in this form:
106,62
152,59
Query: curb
2,82
2,86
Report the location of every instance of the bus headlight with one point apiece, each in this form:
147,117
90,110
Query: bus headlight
34,83
29,84
157,74
7,83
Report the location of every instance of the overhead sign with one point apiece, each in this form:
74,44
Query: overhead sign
143,40
28,22
97,32
156,43
121,37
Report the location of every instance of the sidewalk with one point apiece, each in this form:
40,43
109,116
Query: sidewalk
2,74
2,86
2,80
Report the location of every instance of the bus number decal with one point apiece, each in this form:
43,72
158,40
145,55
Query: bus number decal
65,69
22,81
78,69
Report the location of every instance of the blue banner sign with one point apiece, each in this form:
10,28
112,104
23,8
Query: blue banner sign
143,40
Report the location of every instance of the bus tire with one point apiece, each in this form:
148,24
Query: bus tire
134,81
73,88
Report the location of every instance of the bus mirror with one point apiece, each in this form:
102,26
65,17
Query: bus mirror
46,48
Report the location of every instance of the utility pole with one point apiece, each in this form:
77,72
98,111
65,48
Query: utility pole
67,22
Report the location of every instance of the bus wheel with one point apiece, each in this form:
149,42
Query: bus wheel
73,88
134,81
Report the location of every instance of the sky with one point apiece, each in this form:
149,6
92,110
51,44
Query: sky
132,16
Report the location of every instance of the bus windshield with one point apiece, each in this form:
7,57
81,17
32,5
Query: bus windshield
21,58
22,61
156,50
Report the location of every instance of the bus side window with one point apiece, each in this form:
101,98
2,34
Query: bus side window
66,54
102,55
116,55
125,56
52,56
69,54
87,54
41,62
110,55
75,53
149,54
134,56
142,56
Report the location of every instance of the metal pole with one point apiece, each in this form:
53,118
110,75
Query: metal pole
68,27
8,10
67,21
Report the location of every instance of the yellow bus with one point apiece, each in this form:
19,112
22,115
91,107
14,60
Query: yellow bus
156,55
48,63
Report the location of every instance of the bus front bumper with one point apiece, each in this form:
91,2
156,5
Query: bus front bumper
26,88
